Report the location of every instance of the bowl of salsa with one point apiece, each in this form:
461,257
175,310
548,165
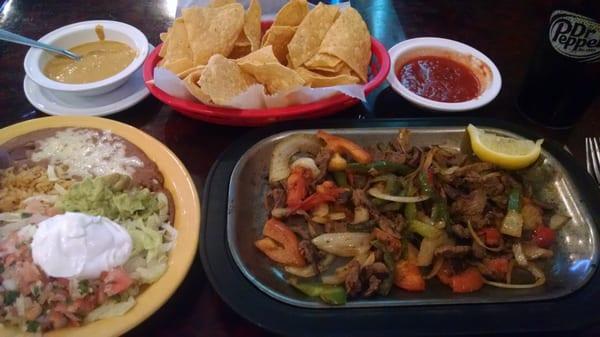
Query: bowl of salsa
444,75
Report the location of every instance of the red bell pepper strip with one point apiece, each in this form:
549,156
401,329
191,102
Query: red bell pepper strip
491,236
498,266
468,281
407,276
297,186
280,244
326,192
346,146
544,236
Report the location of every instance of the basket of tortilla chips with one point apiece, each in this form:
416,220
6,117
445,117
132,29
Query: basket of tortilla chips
222,64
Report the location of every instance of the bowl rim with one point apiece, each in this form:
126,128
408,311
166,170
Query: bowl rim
223,115
187,221
33,55
435,42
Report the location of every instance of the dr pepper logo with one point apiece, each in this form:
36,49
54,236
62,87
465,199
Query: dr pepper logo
575,36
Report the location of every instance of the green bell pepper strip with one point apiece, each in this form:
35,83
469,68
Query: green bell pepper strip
410,212
329,294
512,224
380,166
439,211
340,178
386,285
514,200
423,229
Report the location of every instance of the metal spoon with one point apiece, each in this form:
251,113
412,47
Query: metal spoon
16,38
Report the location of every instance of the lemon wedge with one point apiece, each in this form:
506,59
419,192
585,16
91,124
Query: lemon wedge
508,153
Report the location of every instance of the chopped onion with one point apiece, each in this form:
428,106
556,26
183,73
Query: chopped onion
308,271
534,270
280,212
326,262
279,168
557,221
380,195
51,173
518,253
361,214
320,219
532,251
344,243
449,170
477,239
307,163
337,216
321,210
340,273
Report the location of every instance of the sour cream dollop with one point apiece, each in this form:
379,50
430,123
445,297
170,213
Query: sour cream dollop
81,246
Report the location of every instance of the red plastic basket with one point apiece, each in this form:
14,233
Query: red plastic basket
379,68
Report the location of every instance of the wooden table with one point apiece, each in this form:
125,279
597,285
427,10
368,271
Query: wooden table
506,31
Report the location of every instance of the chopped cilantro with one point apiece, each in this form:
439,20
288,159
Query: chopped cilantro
26,215
84,287
10,297
1,268
32,326
35,291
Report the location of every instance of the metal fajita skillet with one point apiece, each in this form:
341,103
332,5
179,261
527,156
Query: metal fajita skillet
254,289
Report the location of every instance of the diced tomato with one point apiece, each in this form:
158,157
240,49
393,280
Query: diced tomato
407,276
116,281
468,281
346,146
297,186
491,236
280,244
544,236
326,192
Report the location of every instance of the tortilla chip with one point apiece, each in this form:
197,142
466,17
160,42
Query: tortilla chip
220,3
186,72
349,40
191,84
324,62
176,52
279,37
240,50
252,24
176,66
262,56
213,30
223,79
316,80
264,66
310,34
291,14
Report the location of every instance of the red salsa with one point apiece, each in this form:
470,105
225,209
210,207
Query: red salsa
438,78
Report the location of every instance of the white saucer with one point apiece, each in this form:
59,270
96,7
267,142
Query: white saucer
61,104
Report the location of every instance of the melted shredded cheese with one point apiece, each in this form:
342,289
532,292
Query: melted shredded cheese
87,153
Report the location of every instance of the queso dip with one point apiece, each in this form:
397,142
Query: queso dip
99,60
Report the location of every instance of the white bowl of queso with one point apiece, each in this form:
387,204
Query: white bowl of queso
112,51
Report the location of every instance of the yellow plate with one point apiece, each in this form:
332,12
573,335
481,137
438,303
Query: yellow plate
187,222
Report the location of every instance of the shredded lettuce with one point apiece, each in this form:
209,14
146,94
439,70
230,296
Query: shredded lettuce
110,309
144,214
